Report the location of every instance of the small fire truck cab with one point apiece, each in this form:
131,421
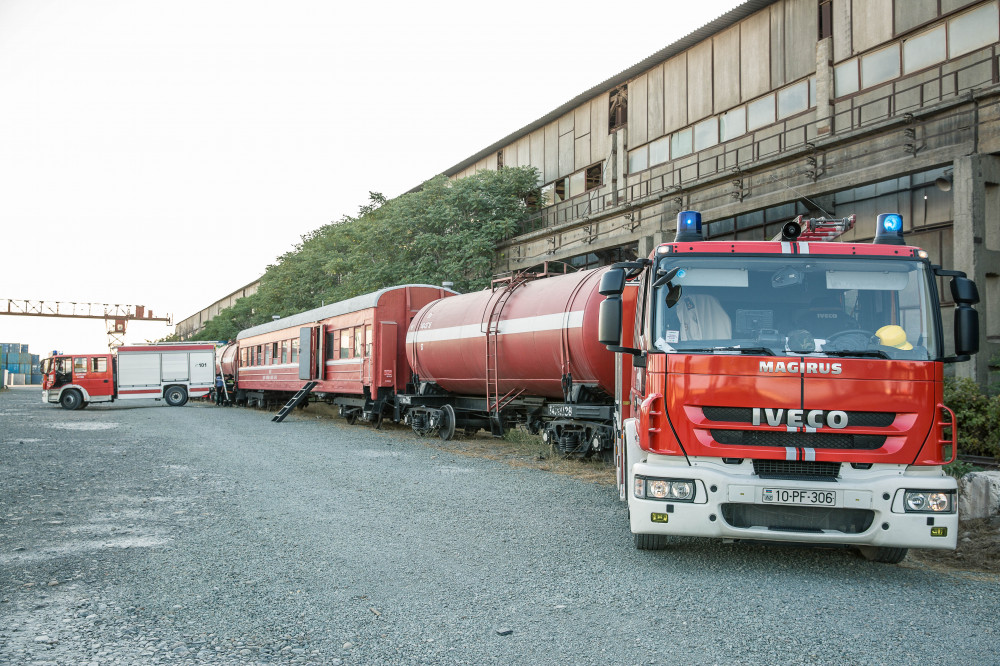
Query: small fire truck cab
787,390
169,371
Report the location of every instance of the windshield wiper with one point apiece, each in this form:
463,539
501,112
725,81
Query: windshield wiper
737,350
860,353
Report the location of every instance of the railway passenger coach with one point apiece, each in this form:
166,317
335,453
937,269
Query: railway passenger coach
351,352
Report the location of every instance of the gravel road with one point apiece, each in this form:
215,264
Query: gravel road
159,535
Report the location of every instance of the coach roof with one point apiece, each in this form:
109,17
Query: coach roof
362,302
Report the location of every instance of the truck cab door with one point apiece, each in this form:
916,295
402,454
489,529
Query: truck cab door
93,373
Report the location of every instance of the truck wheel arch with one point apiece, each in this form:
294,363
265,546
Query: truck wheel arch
71,399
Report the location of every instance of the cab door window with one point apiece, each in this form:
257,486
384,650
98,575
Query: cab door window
80,365
99,364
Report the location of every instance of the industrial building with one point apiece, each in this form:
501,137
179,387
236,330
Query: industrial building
779,108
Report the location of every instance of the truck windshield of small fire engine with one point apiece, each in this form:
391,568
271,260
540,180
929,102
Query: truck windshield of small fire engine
796,304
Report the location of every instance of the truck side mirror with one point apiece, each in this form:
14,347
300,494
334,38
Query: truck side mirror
612,283
963,290
965,294
609,319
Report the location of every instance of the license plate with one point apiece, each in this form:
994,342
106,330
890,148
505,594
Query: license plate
799,496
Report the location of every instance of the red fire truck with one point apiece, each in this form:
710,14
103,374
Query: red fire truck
787,390
168,371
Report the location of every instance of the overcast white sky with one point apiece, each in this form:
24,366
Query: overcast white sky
164,152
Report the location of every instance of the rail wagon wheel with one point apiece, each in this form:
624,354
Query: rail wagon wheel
176,396
447,428
351,418
377,421
71,399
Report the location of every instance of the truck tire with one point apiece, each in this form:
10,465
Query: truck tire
650,541
175,396
71,399
883,554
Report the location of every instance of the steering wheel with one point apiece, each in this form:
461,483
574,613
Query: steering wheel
853,338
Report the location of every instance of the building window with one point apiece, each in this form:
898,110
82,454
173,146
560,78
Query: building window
825,18
638,159
559,191
973,30
733,123
760,113
680,143
617,108
577,183
706,134
845,78
594,176
880,66
659,151
499,159
924,50
793,99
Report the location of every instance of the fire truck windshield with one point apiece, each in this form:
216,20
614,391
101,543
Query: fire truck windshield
797,304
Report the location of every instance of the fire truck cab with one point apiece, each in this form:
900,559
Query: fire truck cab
787,390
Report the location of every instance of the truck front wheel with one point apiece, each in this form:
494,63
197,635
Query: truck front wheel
71,399
883,554
175,396
650,541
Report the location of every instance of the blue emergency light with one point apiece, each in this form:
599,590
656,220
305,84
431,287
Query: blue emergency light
889,229
688,226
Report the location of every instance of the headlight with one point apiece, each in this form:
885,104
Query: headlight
677,490
928,501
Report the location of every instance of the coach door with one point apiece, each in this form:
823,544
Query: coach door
387,354
309,352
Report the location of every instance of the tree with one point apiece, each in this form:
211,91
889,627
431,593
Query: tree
446,231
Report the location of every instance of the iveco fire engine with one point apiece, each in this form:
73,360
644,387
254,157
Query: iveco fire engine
168,371
787,390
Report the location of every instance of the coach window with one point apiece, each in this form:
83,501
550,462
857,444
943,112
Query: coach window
293,354
359,342
284,351
268,354
331,344
274,352
345,343
368,341
257,358
99,364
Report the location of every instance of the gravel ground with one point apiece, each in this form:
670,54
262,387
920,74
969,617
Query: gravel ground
158,535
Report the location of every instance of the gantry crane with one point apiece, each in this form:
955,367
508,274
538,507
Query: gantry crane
116,316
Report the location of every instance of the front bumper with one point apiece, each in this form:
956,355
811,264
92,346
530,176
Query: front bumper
868,510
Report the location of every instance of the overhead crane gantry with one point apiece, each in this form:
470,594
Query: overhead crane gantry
116,316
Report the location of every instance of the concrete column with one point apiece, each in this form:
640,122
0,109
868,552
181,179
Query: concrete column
976,189
649,243
824,86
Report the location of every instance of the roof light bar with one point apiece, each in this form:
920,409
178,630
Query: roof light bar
688,226
889,229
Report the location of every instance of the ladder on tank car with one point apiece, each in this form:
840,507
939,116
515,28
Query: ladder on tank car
295,401
491,327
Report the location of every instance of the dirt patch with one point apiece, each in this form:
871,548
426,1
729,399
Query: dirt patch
978,549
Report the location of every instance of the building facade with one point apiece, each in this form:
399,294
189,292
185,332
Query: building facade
196,322
779,108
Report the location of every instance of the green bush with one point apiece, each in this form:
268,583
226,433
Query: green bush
978,417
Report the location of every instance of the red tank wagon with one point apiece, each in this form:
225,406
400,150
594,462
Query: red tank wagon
524,353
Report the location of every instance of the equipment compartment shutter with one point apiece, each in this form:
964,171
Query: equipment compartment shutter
174,367
202,367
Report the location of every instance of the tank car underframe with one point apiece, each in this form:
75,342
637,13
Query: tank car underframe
573,430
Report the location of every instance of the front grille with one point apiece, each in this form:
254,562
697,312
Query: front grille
796,469
807,440
745,415
797,518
